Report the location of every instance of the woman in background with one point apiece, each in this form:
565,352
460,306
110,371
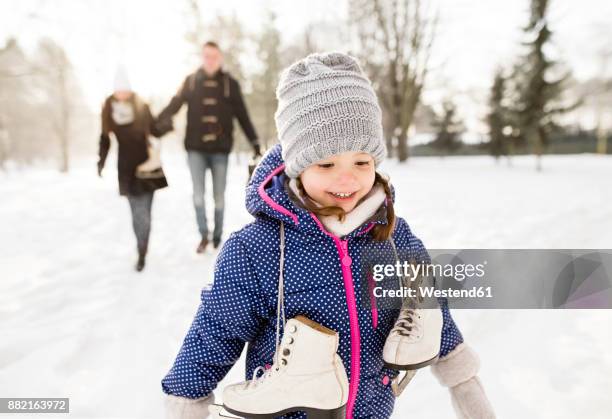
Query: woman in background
128,117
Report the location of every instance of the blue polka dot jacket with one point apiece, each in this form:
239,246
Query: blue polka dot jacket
322,281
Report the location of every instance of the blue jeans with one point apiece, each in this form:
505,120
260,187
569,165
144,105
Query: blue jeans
141,219
199,162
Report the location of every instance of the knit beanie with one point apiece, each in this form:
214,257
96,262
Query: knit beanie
122,80
326,106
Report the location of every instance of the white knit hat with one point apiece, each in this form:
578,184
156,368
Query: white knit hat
122,81
326,106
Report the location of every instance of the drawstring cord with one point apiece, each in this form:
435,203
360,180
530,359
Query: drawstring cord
280,312
280,304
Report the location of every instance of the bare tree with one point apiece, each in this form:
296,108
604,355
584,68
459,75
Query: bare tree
13,90
22,135
317,36
264,83
227,31
56,75
195,31
41,104
394,40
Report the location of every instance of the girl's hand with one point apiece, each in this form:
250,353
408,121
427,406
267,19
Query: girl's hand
458,371
186,408
469,400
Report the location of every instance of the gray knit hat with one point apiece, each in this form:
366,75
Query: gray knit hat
326,106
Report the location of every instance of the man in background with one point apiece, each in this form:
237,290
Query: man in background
213,99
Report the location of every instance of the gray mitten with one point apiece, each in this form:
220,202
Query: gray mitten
186,408
458,371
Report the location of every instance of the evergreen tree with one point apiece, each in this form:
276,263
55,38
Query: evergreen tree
449,128
539,92
498,118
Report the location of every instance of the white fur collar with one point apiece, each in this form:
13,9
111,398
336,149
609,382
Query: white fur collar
366,209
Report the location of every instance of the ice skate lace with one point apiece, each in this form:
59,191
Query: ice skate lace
280,313
409,321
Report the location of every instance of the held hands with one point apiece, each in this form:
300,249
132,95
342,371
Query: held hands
162,126
257,151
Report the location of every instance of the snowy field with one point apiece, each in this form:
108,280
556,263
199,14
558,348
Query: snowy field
76,320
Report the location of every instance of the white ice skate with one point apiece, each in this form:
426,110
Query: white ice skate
414,341
308,375
152,167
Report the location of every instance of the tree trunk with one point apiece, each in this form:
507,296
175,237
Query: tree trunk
510,151
64,123
3,144
602,141
390,148
538,151
402,149
388,132
402,146
533,138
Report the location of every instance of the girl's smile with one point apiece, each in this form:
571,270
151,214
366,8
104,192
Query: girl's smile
344,196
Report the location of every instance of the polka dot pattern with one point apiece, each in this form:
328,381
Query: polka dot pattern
240,307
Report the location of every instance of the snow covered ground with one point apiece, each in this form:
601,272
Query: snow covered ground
76,320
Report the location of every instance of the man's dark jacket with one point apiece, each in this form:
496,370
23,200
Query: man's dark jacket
212,103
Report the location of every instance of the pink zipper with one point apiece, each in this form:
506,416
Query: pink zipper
347,276
342,246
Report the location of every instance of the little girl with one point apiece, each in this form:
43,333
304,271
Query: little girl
321,183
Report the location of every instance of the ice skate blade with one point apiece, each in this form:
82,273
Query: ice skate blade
311,413
215,411
412,367
398,386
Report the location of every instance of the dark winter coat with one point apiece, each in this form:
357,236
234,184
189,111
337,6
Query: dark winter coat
212,104
133,140
322,281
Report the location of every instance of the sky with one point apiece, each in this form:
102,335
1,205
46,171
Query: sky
475,36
